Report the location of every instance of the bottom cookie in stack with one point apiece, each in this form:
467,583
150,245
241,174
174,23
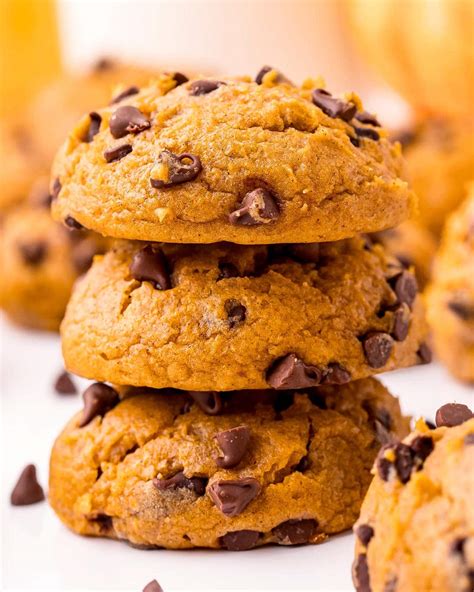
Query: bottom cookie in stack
176,469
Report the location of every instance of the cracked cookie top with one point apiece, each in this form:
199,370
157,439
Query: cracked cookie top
250,162
224,317
165,469
416,528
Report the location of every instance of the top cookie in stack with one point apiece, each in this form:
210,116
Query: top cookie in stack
249,162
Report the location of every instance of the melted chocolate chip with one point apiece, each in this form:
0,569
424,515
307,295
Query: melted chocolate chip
333,106
175,169
424,354
33,253
453,414
99,398
128,92
360,574
401,322
56,189
208,401
117,152
364,533
290,372
365,117
240,540
234,444
128,120
150,265
295,532
153,586
73,224
377,348
204,87
258,207
336,374
27,490
64,385
179,481
367,132
236,312
94,126
233,496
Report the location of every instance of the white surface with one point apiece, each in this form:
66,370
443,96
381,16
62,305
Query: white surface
40,554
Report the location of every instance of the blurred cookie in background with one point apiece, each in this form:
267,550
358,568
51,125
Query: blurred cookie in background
413,245
59,105
440,163
450,297
40,261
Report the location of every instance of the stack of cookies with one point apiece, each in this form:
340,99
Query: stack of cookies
239,317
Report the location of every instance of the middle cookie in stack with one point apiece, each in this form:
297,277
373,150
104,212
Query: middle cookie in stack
257,163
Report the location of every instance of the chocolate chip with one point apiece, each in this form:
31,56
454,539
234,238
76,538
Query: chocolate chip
56,189
233,443
227,270
153,586
364,533
265,70
258,207
117,152
104,522
128,92
354,141
405,137
424,354
421,447
336,374
289,372
128,120
305,252
332,106
391,584
377,348
236,312
204,87
149,265
382,464
73,224
401,322
174,169
103,65
179,481
405,287
365,117
98,399
233,496
64,384
469,439
209,402
367,132
295,532
360,574
94,125
403,462
453,414
463,309
179,78
407,458
27,490
33,253
240,540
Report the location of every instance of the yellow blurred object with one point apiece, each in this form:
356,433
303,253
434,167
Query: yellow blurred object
423,48
29,50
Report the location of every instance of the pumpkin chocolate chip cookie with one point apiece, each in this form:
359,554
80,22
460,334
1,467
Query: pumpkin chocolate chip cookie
40,261
416,528
166,470
450,297
225,317
231,160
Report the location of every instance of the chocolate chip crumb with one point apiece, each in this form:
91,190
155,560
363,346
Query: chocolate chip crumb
64,384
27,490
233,443
99,398
117,152
149,265
453,414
